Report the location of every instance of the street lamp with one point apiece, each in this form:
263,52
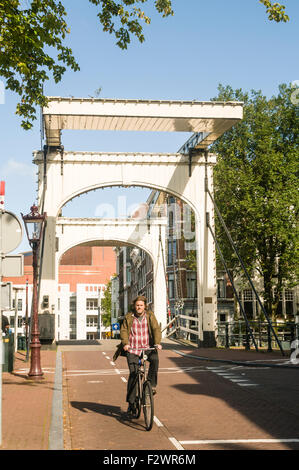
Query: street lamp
34,225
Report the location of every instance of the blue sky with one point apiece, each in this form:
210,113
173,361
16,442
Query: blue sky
183,57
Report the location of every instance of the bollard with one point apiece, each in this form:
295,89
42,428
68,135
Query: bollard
226,336
269,339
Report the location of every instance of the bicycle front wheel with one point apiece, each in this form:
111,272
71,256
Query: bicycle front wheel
138,396
148,405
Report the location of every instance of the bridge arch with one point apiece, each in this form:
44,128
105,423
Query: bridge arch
88,189
149,236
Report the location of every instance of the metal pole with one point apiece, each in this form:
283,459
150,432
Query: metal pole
26,323
16,322
231,280
226,336
99,315
1,338
269,339
35,365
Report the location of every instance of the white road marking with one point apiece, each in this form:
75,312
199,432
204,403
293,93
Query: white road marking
123,379
238,380
248,385
237,441
232,377
176,443
158,423
112,363
95,372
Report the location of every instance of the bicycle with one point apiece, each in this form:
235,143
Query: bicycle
144,393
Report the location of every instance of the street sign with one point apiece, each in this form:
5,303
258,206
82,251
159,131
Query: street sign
13,266
115,326
2,194
12,232
6,293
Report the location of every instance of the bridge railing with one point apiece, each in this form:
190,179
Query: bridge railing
235,334
183,327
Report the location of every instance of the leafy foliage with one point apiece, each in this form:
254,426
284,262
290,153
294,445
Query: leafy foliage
25,35
106,305
276,11
256,188
32,43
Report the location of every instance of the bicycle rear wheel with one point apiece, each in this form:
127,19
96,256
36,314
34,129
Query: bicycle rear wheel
148,405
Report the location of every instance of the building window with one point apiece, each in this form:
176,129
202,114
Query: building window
171,253
170,219
191,285
20,304
286,302
248,303
128,275
247,295
221,288
73,304
171,286
150,294
73,328
19,321
92,321
91,304
90,336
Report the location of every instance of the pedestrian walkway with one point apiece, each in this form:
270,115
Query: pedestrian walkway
32,410
27,404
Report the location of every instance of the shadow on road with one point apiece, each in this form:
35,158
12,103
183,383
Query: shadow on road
108,410
263,408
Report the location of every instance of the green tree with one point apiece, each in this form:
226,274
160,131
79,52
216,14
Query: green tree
256,189
276,11
32,41
106,305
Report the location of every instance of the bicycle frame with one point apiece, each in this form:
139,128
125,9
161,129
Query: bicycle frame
144,394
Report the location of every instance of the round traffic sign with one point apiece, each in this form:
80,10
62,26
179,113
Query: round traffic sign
12,232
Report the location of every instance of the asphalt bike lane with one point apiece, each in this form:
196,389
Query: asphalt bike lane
199,406
96,407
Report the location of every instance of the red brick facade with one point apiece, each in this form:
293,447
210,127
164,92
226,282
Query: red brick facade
79,265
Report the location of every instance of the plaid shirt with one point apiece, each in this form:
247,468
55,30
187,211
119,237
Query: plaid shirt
139,337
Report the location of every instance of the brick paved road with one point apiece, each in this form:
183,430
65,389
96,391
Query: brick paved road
199,405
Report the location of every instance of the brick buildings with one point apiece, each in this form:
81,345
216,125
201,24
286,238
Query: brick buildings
83,274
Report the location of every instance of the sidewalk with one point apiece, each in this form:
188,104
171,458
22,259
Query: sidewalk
233,354
27,404
27,413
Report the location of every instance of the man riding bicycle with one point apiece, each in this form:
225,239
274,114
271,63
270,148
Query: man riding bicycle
140,329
